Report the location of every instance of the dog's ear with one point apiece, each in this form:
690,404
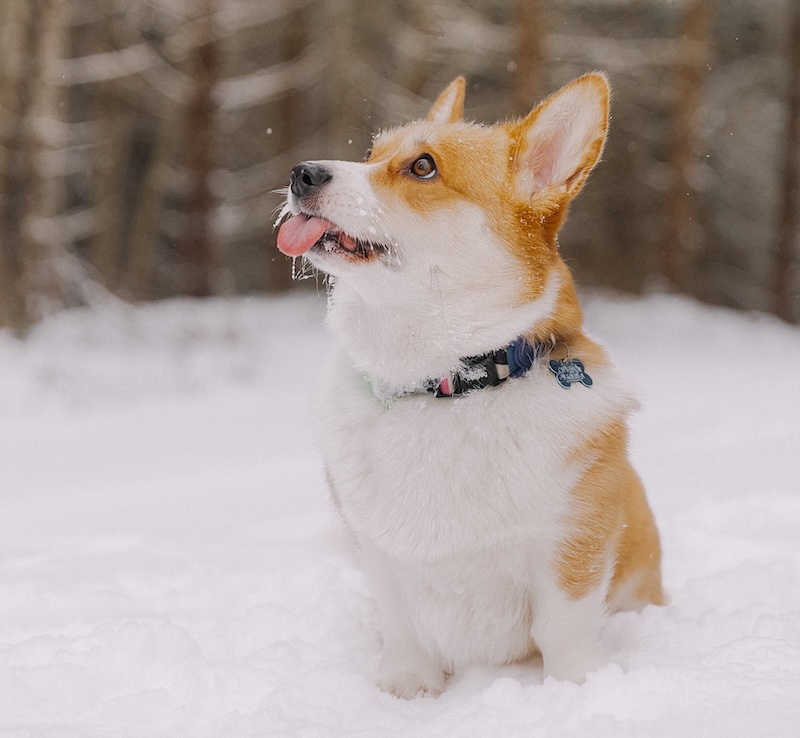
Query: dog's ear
449,106
558,143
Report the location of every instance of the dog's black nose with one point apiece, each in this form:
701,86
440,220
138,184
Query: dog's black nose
307,177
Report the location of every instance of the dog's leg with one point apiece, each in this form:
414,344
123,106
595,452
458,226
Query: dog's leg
570,605
405,669
567,630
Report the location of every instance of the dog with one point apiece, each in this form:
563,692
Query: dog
475,438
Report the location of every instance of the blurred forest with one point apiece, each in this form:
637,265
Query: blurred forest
141,141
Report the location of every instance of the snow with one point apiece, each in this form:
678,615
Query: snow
170,564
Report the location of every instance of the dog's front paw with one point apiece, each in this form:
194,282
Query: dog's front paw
407,685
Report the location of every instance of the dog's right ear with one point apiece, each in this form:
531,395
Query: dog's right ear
449,106
558,143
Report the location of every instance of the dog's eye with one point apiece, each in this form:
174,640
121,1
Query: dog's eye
424,167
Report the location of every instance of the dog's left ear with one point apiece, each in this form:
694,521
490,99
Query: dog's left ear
559,142
449,106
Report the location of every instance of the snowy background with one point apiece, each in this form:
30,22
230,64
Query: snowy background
170,565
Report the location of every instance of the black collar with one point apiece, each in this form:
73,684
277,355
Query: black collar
490,369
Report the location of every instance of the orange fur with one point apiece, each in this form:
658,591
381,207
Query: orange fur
638,562
611,514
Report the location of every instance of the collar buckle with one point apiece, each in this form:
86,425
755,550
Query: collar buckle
490,369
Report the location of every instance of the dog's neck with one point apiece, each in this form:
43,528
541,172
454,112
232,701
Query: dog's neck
403,342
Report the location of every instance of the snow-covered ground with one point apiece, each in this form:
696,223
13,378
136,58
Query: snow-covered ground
170,565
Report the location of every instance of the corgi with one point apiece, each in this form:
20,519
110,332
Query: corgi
475,437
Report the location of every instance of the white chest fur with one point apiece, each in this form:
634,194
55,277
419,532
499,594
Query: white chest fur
426,478
458,501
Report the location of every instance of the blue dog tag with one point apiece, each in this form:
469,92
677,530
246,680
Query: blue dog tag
569,371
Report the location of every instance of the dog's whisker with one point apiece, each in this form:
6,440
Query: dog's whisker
282,211
284,192
303,269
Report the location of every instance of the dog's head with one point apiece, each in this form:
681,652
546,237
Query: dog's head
451,224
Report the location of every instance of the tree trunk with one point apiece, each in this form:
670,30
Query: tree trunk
784,295
683,232
32,192
110,176
418,71
140,276
528,80
14,100
197,247
343,79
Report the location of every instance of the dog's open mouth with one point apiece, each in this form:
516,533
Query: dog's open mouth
301,233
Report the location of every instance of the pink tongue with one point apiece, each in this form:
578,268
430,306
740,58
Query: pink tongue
298,234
